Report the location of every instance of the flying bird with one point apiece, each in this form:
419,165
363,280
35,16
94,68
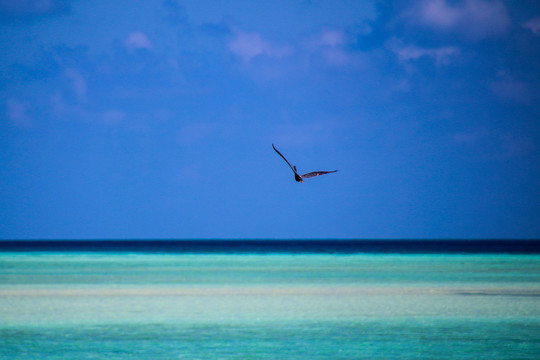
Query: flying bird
297,176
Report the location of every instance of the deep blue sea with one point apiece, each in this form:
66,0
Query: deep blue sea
270,299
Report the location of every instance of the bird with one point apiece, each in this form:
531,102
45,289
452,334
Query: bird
297,176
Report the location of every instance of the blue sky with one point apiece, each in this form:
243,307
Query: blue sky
155,119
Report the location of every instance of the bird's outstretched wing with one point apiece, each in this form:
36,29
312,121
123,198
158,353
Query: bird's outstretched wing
316,173
292,168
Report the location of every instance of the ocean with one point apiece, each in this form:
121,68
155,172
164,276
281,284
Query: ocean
269,299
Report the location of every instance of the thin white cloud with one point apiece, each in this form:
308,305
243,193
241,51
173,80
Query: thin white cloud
331,45
78,83
58,104
112,116
332,38
509,88
533,25
248,45
32,7
441,55
494,144
476,19
338,57
303,134
194,133
138,40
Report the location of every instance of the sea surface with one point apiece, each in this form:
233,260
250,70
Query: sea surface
269,300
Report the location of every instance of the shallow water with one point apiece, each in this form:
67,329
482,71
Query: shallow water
120,306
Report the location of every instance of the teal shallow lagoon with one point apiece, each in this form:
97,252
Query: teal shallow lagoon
361,306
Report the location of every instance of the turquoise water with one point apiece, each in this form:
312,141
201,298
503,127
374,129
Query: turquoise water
174,306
